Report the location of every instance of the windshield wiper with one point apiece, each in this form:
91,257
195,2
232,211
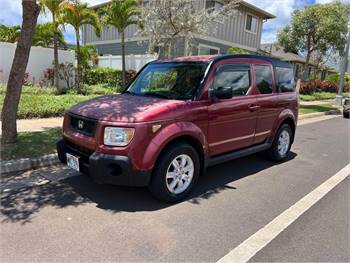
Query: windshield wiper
157,95
129,92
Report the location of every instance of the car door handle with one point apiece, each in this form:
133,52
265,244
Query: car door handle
254,107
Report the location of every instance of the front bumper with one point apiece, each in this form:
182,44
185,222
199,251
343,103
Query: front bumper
104,168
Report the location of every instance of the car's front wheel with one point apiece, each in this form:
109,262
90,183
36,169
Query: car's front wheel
175,173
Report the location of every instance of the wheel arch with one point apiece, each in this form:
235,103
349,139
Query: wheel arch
290,122
172,134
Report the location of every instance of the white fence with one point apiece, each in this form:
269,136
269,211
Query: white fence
135,62
39,59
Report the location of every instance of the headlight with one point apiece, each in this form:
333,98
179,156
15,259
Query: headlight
116,136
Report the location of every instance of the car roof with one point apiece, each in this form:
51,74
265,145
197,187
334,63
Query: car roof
215,58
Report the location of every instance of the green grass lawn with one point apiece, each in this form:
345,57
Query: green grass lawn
37,102
43,106
320,96
306,109
32,144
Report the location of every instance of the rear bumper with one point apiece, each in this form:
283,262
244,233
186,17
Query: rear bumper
104,168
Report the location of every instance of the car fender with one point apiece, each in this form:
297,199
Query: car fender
285,114
169,133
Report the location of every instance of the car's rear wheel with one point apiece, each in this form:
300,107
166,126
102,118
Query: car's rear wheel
175,173
281,144
346,114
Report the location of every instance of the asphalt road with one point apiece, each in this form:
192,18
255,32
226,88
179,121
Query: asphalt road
73,219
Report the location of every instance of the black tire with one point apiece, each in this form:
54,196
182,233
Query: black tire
273,152
346,115
158,186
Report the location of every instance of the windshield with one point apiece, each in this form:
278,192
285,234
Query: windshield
176,81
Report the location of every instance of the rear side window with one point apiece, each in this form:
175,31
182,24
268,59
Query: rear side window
285,79
233,76
263,79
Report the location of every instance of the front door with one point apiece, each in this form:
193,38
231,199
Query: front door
232,121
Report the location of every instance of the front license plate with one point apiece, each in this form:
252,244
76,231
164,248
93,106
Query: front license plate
73,162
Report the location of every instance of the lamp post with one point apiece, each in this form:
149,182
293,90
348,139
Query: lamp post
339,97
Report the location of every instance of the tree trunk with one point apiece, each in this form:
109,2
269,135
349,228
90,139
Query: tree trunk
123,60
55,54
31,11
169,50
306,66
77,55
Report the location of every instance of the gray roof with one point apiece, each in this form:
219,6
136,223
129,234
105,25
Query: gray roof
278,52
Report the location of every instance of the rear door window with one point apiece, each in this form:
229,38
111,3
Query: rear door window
285,79
263,75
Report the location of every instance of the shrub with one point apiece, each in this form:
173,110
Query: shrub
49,75
109,76
130,75
334,78
26,79
312,86
66,74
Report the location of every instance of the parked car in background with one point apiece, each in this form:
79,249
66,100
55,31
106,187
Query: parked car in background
346,108
180,116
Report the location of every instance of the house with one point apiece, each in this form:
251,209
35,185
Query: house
242,30
298,61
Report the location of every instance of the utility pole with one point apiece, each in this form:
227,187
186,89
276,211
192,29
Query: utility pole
339,97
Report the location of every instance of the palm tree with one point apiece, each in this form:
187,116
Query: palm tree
78,14
44,36
55,8
9,33
31,12
121,14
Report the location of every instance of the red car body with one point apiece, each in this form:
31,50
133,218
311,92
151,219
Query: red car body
219,129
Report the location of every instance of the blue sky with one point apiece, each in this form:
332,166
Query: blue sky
11,10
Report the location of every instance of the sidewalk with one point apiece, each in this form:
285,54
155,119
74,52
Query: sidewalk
32,125
317,102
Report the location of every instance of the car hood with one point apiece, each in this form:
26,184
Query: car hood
127,108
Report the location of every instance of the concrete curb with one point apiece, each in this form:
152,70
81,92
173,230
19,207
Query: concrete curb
28,163
318,114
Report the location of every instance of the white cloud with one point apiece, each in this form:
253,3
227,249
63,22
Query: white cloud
281,9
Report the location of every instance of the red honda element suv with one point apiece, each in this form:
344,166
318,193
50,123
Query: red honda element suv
177,117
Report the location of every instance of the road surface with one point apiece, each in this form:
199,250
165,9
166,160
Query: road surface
73,219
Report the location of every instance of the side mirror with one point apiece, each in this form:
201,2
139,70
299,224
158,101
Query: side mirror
223,93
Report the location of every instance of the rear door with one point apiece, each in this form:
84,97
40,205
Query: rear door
232,121
266,101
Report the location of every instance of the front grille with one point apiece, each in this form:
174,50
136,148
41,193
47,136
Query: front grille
83,125
79,151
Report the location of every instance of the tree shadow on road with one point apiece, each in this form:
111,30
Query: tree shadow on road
76,190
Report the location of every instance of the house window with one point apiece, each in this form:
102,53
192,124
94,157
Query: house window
208,50
251,23
216,6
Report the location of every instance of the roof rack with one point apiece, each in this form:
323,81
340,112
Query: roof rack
274,61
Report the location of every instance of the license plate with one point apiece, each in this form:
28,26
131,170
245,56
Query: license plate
73,162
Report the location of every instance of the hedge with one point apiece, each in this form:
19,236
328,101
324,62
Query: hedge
109,76
313,86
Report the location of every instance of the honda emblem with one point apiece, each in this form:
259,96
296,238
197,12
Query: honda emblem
80,124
